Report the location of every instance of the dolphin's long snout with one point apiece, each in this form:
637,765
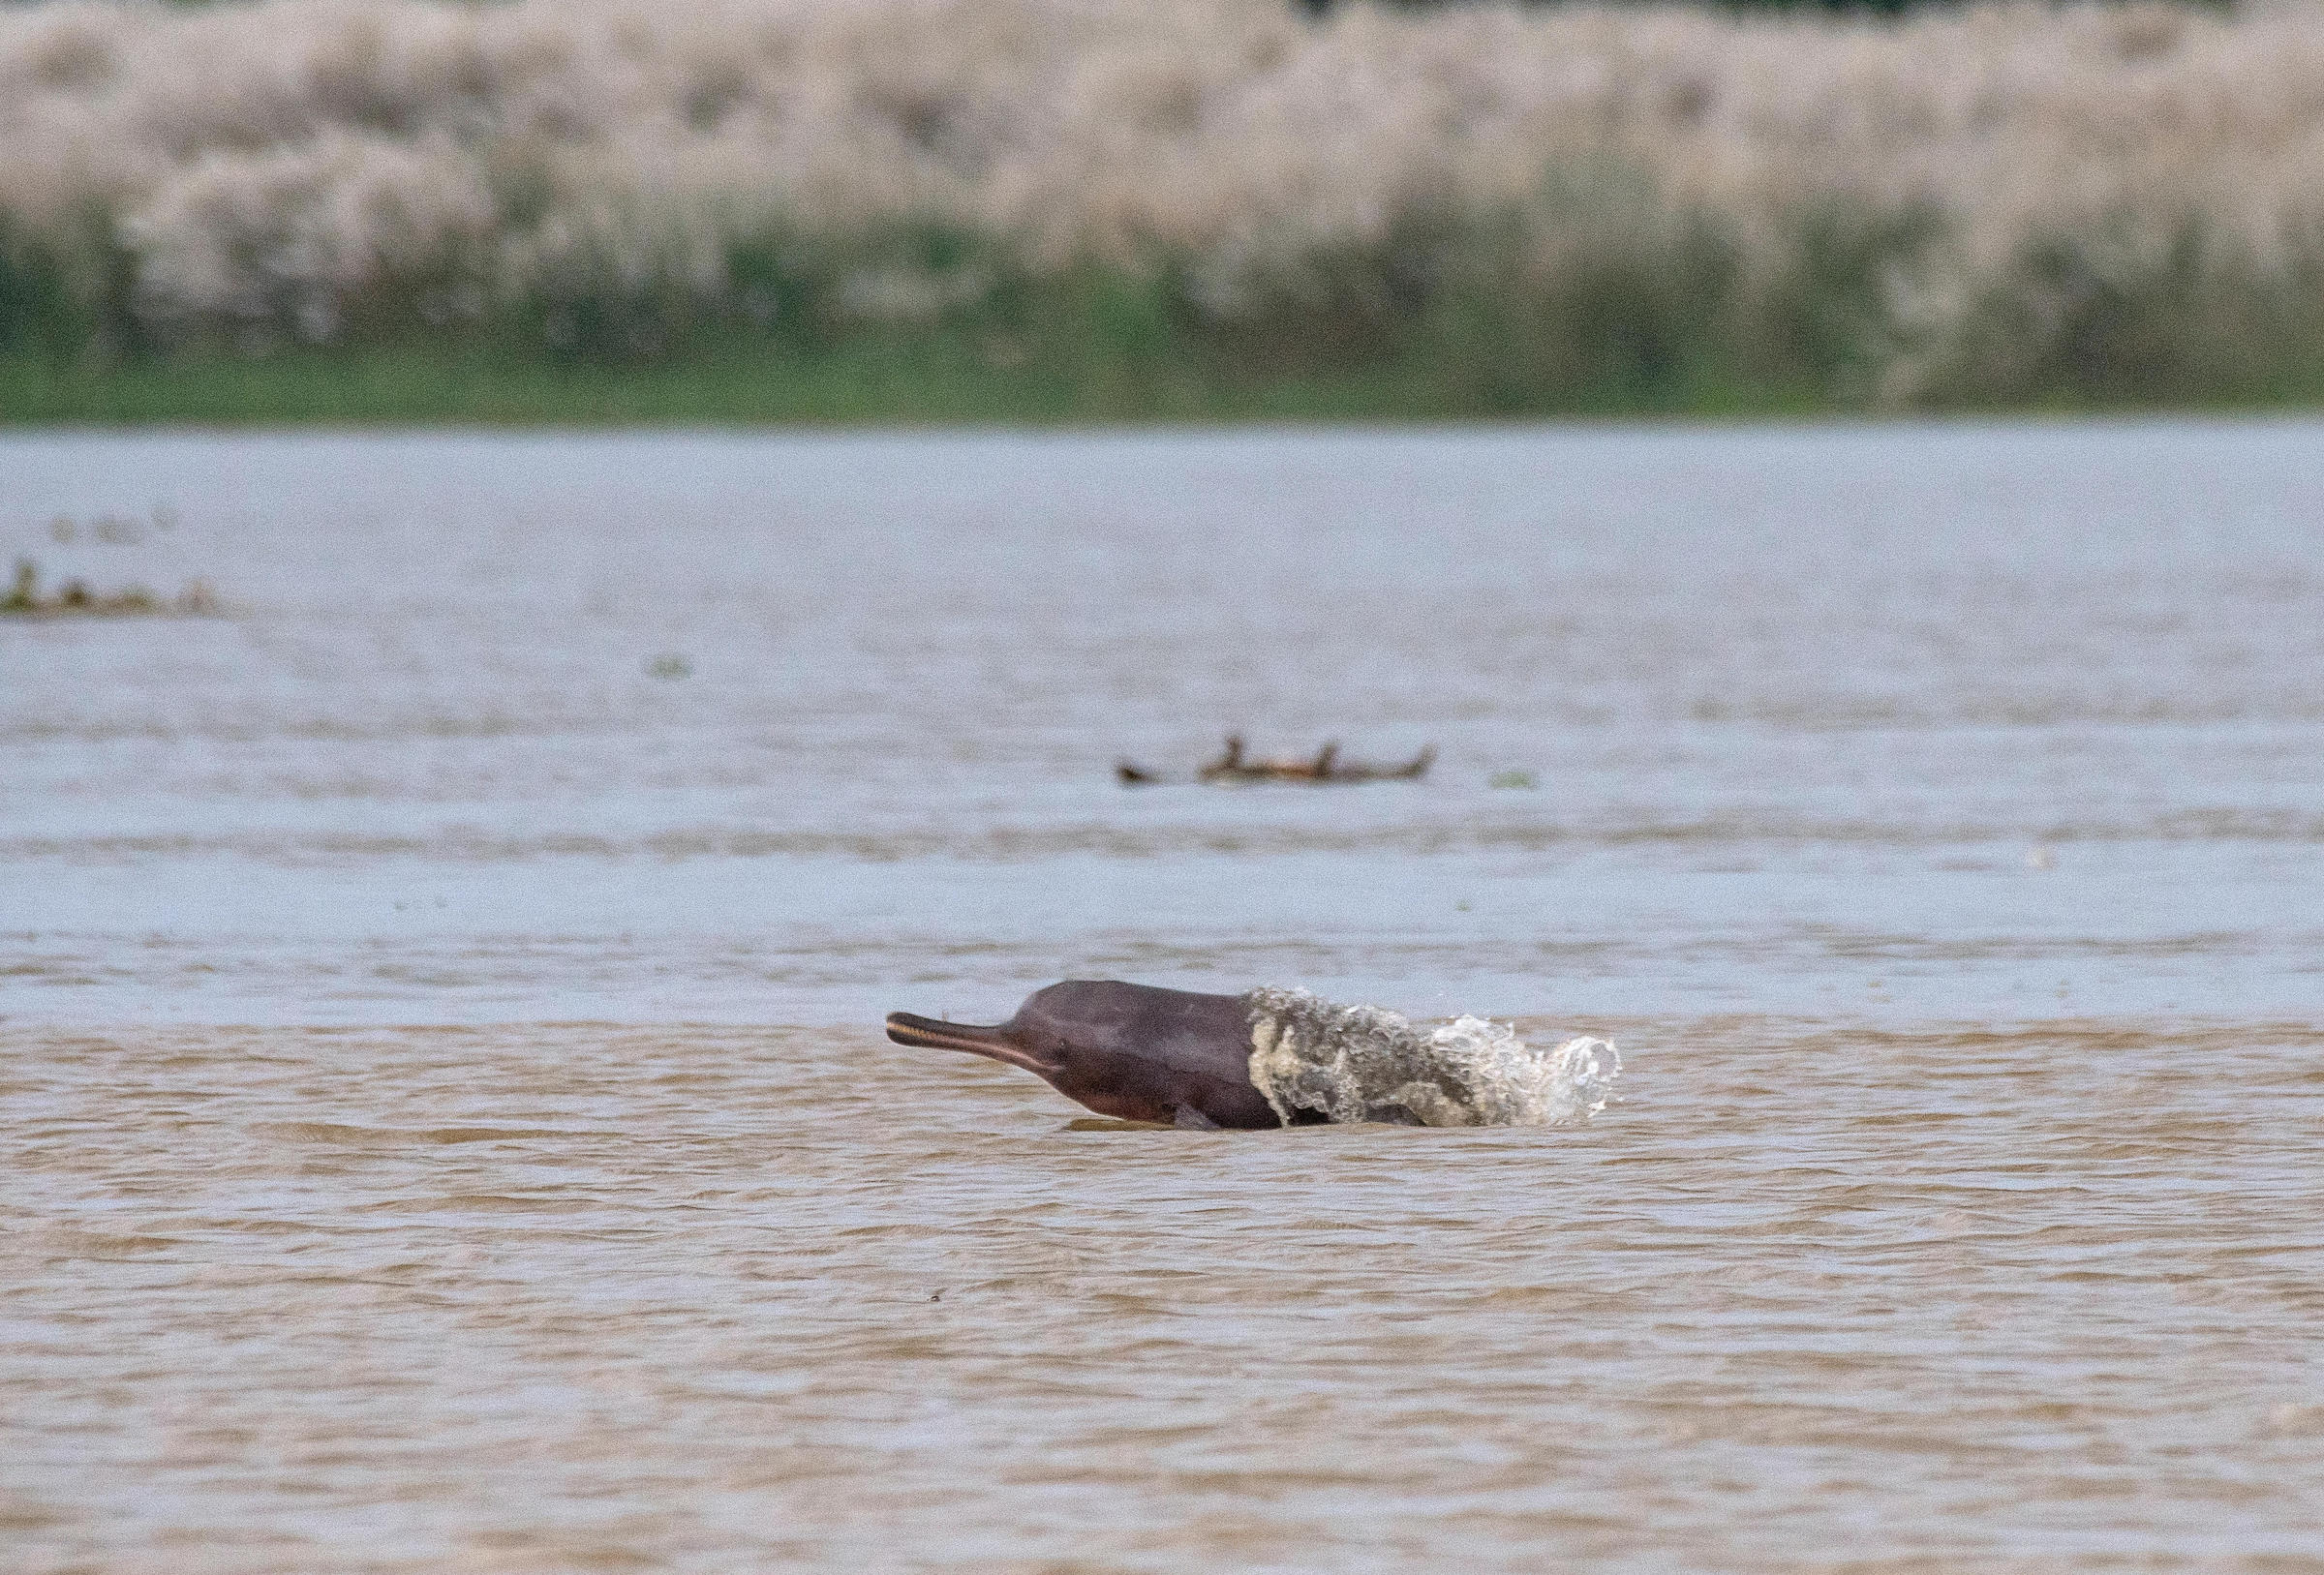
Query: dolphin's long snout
935,1034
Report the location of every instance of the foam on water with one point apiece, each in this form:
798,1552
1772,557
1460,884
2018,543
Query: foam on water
1365,1063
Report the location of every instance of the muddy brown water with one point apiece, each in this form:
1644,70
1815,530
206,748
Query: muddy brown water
444,1126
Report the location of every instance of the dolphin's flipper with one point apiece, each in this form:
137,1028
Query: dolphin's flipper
1193,1120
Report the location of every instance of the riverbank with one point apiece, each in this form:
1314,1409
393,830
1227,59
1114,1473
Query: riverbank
1028,210
937,383
940,382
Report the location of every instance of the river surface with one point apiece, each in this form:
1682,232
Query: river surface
444,1124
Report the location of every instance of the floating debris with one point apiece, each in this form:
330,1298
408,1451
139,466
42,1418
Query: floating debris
74,599
669,665
1236,764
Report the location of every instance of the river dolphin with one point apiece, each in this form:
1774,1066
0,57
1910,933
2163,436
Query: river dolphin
1132,1052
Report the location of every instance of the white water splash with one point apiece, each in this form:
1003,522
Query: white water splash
1362,1063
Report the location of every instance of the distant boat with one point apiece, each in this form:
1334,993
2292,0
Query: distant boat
1235,764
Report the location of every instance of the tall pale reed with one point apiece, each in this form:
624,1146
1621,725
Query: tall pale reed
284,168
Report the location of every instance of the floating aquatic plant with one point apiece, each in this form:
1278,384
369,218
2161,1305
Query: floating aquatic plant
73,598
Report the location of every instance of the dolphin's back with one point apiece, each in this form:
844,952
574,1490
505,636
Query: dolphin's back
1184,1029
1185,1047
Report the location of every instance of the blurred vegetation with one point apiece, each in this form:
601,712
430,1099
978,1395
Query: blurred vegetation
1629,308
1152,208
1876,7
